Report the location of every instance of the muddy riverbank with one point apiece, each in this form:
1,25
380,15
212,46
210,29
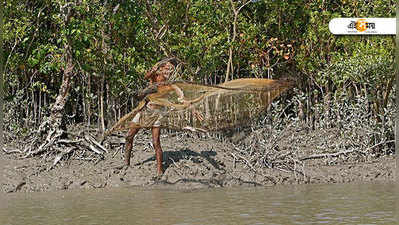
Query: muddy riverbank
192,162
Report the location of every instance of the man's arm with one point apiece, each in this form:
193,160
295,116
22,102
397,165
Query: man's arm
148,90
179,92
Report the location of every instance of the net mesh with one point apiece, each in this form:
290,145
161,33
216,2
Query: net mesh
196,107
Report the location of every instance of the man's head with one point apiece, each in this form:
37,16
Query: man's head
162,71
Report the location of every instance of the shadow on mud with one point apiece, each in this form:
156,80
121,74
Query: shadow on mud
199,158
172,157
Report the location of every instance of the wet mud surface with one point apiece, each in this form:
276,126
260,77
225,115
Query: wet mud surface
189,162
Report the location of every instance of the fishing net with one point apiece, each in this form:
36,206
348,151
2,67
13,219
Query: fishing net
190,106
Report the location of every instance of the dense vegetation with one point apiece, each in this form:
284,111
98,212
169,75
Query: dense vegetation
92,54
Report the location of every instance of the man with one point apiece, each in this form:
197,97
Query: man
159,74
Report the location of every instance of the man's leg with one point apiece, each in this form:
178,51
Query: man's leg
129,144
156,132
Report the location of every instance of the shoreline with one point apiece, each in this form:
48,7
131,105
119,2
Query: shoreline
189,163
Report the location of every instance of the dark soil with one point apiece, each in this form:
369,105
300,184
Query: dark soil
192,161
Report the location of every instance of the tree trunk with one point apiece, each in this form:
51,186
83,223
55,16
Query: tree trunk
1,82
236,11
34,106
51,135
57,111
54,122
101,96
88,97
52,126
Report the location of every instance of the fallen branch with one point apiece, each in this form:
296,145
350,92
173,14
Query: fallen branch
91,147
65,141
93,141
11,151
318,156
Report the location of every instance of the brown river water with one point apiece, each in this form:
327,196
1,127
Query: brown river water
298,204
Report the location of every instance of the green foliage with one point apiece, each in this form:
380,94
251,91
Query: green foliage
367,66
115,42
319,46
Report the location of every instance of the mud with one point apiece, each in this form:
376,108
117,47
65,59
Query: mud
190,162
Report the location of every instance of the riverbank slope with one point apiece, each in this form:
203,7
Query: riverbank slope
195,161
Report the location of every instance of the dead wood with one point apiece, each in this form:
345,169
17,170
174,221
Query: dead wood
336,154
93,141
10,151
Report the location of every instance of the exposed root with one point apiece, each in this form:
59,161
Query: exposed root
83,146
